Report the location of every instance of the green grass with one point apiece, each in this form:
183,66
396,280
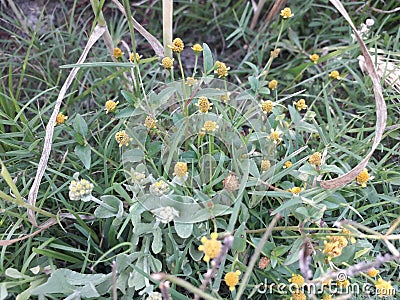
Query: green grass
81,248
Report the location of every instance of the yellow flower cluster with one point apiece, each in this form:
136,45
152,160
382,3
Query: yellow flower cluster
177,45
122,138
315,159
298,295
314,58
60,119
150,123
272,84
204,105
274,136
287,165
197,48
232,279
167,63
266,106
301,104
79,189
180,169
286,13
210,247
117,53
110,106
295,190
334,246
372,272
384,288
221,70
334,75
132,57
362,178
297,280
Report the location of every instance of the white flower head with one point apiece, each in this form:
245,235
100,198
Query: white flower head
165,214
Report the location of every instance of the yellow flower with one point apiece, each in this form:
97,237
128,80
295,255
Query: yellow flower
132,57
295,190
301,104
222,69
274,136
362,178
314,58
197,48
341,240
334,75
210,126
204,105
177,45
332,249
287,164
286,13
232,279
122,138
315,159
372,272
342,283
384,288
265,165
191,81
110,106
348,233
180,169
150,123
326,282
327,297
266,106
297,280
60,119
117,52
167,63
273,84
211,247
299,295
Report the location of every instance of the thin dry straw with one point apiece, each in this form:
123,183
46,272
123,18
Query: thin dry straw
97,33
381,113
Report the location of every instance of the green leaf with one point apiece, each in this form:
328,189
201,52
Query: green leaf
64,281
184,230
331,169
84,154
239,239
208,59
80,125
114,203
157,244
133,155
129,97
293,255
347,255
